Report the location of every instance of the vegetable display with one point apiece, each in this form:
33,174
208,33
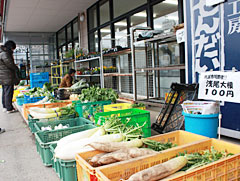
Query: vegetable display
202,158
42,113
94,94
113,130
80,85
160,171
178,165
49,128
38,92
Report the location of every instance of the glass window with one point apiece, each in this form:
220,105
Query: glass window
104,12
106,37
61,37
69,33
75,30
92,14
121,33
69,46
124,6
37,49
93,42
139,19
165,15
76,43
63,51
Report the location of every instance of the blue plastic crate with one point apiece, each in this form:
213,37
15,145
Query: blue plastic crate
39,76
38,83
20,101
28,99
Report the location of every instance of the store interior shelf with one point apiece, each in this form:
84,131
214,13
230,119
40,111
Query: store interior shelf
122,52
116,74
163,38
88,75
172,67
86,60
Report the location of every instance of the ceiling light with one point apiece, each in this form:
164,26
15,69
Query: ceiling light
105,31
121,23
141,14
175,2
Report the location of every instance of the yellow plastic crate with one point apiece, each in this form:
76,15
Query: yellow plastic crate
86,172
119,106
16,92
225,169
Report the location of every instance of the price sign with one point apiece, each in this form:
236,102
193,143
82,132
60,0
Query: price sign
180,35
220,86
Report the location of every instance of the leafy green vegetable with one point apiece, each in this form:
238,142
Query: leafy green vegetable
39,92
80,85
94,94
157,146
138,105
201,158
22,83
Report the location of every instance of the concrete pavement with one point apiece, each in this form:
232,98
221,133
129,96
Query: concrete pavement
19,160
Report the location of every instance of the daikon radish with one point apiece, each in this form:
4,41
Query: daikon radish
113,146
37,115
160,171
44,110
68,151
124,154
76,136
94,160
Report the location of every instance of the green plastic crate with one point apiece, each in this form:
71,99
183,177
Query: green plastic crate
55,161
45,138
31,120
66,170
89,109
137,116
72,122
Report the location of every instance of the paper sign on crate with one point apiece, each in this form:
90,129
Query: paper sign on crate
220,86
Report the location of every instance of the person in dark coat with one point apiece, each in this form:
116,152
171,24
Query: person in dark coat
8,75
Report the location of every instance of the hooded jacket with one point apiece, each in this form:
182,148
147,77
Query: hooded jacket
8,68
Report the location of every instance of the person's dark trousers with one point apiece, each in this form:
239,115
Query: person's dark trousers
7,95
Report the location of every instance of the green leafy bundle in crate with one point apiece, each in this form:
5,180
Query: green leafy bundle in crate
137,117
89,109
45,138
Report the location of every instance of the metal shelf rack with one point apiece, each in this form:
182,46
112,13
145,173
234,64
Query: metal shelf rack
156,68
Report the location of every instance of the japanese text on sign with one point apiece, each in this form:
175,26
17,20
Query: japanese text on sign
221,86
206,36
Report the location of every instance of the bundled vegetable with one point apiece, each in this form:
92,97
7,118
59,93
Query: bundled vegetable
41,113
94,94
157,146
48,99
112,131
80,85
160,171
38,92
120,155
201,158
181,163
112,146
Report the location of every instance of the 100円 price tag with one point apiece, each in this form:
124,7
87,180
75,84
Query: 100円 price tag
219,86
